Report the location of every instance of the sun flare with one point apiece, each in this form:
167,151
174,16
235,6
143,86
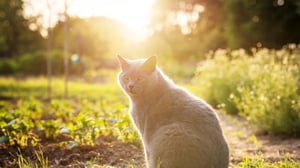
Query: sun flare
132,13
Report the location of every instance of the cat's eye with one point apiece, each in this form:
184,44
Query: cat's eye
139,78
125,77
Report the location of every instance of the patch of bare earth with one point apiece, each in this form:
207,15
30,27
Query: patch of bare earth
106,151
244,141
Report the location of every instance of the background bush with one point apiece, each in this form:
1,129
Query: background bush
263,87
8,66
219,76
34,64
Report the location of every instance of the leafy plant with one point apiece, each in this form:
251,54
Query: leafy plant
263,87
260,162
220,75
18,124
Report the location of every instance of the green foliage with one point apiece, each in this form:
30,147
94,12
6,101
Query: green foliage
37,87
96,37
214,24
259,162
219,76
8,67
32,64
183,43
263,87
223,24
267,22
92,119
35,63
15,35
18,123
82,120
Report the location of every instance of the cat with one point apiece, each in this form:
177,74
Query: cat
177,129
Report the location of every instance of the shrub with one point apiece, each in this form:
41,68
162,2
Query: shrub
8,66
36,63
220,75
263,87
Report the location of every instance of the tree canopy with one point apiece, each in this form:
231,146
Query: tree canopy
271,23
231,23
15,35
182,29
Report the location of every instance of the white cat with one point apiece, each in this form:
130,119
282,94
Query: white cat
178,130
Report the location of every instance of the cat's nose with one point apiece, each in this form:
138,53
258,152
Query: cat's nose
130,87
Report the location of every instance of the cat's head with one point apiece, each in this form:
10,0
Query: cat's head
137,76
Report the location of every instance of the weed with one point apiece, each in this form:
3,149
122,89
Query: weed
260,162
42,162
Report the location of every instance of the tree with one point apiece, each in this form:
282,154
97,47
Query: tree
15,34
200,22
272,23
95,37
230,23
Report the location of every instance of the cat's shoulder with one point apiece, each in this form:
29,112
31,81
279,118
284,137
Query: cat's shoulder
181,92
183,95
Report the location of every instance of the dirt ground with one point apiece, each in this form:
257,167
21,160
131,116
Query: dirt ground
245,141
108,151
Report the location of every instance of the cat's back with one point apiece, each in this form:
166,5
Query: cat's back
179,106
187,132
180,102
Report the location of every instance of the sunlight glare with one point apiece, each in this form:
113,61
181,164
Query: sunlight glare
132,13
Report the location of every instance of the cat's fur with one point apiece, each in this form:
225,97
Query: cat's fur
178,130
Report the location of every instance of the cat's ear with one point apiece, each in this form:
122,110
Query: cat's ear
123,63
149,65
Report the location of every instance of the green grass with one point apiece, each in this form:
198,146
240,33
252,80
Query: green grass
37,87
259,162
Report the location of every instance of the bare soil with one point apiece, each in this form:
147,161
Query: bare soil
106,151
244,140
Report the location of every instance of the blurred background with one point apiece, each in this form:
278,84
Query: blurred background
180,32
